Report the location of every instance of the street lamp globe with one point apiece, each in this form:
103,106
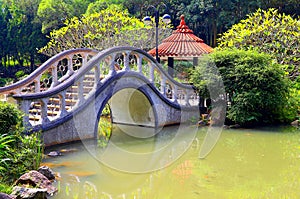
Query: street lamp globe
166,19
147,20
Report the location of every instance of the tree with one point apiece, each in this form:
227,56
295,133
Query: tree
96,6
53,13
3,37
256,86
291,7
139,8
209,18
110,27
23,35
270,32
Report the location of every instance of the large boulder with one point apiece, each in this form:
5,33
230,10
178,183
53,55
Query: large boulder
29,193
36,180
54,154
295,123
47,172
5,196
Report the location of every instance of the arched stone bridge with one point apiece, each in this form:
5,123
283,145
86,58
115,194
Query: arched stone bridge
65,96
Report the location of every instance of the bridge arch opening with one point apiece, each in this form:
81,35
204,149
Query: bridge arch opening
126,108
131,106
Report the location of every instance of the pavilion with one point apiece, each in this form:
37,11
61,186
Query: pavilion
181,45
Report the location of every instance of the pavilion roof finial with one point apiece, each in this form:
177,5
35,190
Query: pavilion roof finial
183,27
182,22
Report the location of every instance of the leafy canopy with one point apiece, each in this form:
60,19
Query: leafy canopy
107,28
270,32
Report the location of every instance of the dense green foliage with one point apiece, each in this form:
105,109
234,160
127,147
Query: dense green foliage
255,84
53,13
21,35
271,32
99,5
19,153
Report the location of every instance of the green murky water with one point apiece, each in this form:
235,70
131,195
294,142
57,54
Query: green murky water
245,163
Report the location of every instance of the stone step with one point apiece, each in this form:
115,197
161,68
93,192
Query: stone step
37,112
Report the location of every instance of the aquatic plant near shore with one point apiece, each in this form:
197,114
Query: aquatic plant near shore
104,131
104,127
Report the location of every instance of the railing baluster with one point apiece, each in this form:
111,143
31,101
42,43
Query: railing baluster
80,90
24,105
140,64
44,110
97,75
163,85
174,93
70,65
37,84
62,104
126,60
112,70
54,75
151,78
84,58
187,97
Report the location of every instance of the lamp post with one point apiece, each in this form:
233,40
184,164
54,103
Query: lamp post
147,21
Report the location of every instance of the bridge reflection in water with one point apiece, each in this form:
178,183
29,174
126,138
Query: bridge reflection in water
89,176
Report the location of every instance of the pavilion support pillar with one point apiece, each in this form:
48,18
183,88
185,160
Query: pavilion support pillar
171,66
202,108
195,61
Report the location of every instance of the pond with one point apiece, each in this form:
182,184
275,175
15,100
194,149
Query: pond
245,163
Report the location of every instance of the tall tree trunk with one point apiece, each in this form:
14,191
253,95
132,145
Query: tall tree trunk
32,62
215,32
5,61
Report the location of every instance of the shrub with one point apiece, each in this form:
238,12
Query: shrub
19,74
19,153
256,86
4,81
270,32
10,118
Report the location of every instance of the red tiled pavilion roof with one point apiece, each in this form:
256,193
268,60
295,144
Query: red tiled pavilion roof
182,43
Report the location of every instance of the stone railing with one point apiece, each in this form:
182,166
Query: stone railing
54,71
63,99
